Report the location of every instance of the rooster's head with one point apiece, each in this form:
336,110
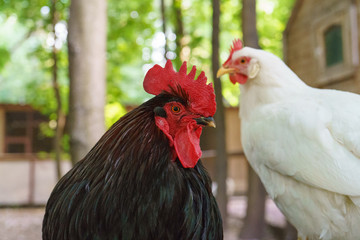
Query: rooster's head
190,106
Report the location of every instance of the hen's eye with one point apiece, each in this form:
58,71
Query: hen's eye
175,109
243,60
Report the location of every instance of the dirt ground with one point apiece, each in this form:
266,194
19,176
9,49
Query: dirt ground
21,224
25,223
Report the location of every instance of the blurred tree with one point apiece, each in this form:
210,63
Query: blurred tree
272,17
60,114
163,20
179,30
134,44
290,232
132,28
30,47
43,38
221,153
87,71
254,223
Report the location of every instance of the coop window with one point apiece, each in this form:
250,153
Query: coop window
16,148
16,123
333,45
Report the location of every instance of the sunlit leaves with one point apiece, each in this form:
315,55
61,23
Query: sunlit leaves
135,43
113,111
272,16
26,34
130,30
4,56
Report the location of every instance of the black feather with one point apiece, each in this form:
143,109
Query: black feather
127,187
159,111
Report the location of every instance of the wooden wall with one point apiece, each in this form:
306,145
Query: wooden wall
303,43
2,131
237,164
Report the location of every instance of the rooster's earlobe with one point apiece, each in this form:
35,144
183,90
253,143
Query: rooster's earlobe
163,125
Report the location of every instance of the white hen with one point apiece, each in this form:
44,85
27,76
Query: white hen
303,142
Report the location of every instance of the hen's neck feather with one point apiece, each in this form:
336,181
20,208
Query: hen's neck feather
274,82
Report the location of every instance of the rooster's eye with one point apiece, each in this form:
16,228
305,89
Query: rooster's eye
243,60
175,109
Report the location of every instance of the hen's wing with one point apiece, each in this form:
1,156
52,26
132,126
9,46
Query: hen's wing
314,139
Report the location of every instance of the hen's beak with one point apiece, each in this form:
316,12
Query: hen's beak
223,71
205,121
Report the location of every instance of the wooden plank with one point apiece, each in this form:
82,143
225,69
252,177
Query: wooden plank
17,156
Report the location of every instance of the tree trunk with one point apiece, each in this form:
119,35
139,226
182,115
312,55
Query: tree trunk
163,18
60,121
221,156
179,31
248,19
87,70
254,224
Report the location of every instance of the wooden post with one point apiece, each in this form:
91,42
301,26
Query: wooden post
32,172
30,155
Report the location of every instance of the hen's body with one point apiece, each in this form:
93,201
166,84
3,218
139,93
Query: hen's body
303,142
314,183
128,187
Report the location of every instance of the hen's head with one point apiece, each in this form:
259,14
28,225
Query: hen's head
191,106
241,64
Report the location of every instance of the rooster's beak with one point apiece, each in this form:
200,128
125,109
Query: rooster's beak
223,71
206,121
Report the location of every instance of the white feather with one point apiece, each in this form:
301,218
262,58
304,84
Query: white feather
305,145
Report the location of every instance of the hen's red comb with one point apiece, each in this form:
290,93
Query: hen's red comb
198,93
237,45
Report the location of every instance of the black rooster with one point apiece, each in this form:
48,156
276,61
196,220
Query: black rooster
143,179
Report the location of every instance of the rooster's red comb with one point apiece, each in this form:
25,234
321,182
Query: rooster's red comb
237,45
199,94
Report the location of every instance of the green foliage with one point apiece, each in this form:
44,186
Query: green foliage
46,130
26,27
20,68
130,47
130,33
272,17
29,40
4,56
135,43
113,111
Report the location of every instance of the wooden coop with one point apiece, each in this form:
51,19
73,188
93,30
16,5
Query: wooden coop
237,164
20,140
20,130
321,43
